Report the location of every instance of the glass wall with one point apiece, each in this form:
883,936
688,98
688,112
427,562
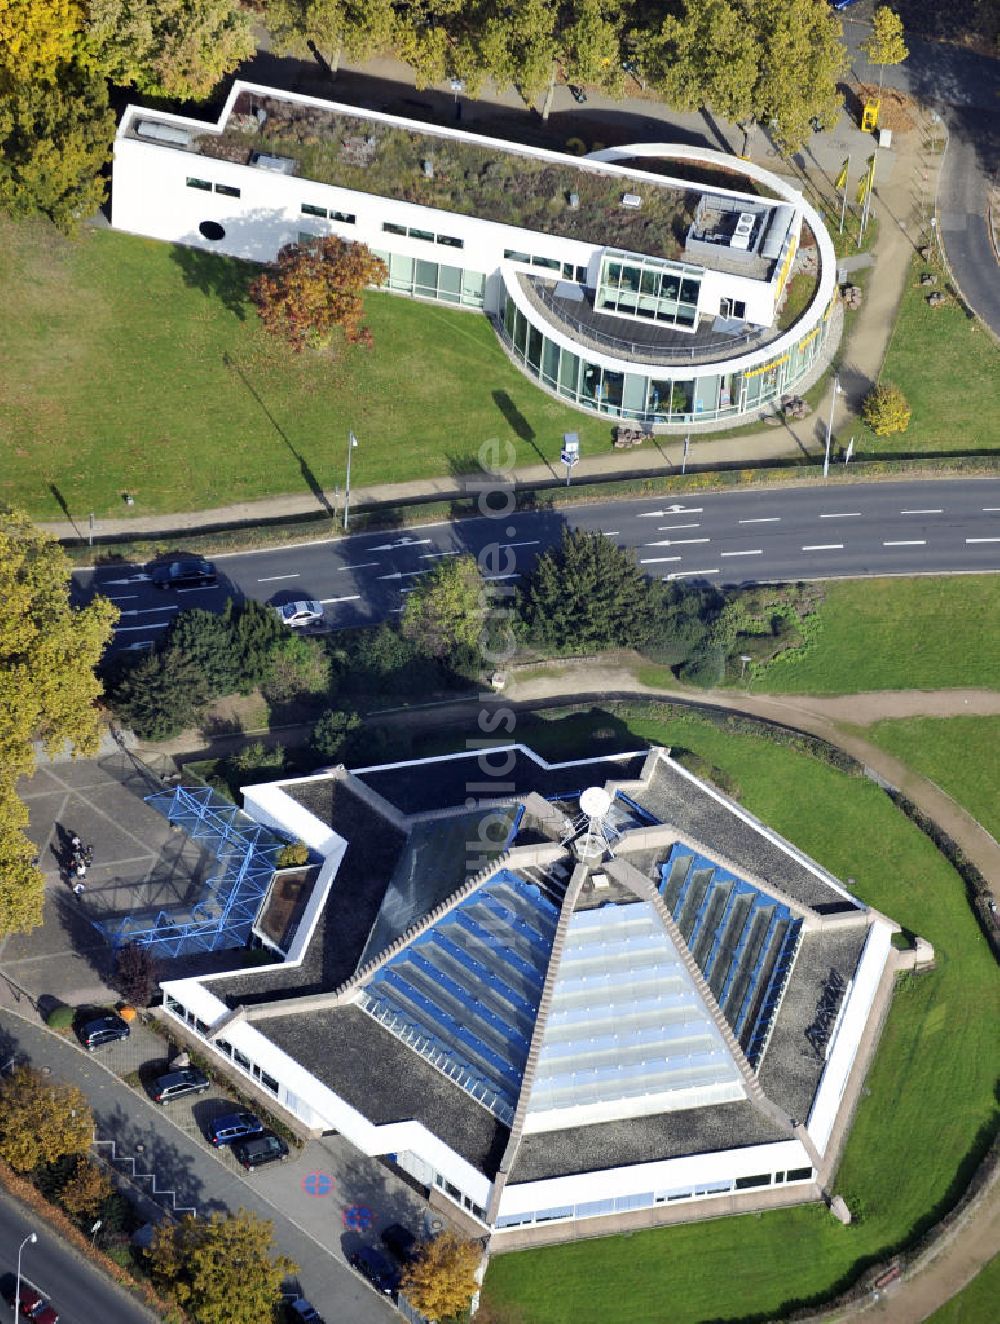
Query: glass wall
662,395
649,288
434,280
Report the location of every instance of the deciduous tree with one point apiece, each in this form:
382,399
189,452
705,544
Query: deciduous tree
885,410
86,1190
706,55
315,288
447,609
886,44
135,974
36,38
300,27
55,139
588,594
333,731
801,58
173,48
220,1270
41,1119
441,1281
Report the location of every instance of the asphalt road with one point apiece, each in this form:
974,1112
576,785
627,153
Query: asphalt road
739,537
80,1293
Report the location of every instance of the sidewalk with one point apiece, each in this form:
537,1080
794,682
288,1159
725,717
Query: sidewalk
308,1230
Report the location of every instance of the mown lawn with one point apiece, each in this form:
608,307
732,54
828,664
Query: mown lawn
131,365
930,1104
948,369
961,754
897,634
975,1304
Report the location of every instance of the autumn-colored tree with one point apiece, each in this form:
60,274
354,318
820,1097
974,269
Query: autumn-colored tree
442,1279
220,1270
48,691
447,609
36,38
886,44
135,973
41,1119
354,27
54,142
314,288
172,48
885,410
705,55
86,1190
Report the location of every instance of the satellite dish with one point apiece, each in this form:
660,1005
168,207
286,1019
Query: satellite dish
595,801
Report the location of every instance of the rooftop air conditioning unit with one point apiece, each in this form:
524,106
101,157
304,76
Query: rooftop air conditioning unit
163,133
632,201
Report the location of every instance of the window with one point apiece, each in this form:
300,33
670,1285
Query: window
744,1183
450,241
733,308
453,1191
267,1081
426,235
228,190
390,227
550,263
309,210
204,184
799,1174
581,275
513,255
425,278
173,1005
344,217
450,284
241,1059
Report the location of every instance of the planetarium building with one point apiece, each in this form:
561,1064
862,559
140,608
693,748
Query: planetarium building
650,283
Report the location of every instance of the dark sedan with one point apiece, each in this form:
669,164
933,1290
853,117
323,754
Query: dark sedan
374,1266
260,1150
191,572
107,1029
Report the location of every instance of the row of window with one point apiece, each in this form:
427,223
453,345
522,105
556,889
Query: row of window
566,269
434,280
455,1194
245,1064
206,186
428,236
624,1203
344,217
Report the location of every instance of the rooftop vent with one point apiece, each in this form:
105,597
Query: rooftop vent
279,165
632,201
574,201
163,133
428,166
260,115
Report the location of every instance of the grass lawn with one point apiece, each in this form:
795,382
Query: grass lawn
930,1106
959,753
948,369
975,1304
897,634
132,365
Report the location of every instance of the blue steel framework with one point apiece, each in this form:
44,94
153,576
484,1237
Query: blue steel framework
224,915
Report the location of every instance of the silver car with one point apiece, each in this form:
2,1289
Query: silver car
297,614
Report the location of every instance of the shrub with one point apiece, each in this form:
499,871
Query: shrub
60,1018
706,667
885,410
299,666
293,855
332,731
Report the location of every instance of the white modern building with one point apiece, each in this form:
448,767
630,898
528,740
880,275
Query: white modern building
644,282
554,1020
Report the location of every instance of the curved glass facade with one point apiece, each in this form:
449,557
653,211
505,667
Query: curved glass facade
657,394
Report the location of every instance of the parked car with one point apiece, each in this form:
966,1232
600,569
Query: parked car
262,1149
577,93
301,1312
35,1306
233,1126
192,572
297,614
373,1265
400,1241
100,1030
175,1084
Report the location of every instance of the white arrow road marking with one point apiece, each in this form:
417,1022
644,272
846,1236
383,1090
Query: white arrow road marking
908,542
353,597
692,574
763,519
150,625
402,542
671,510
364,565
202,588
405,574
757,551
133,579
273,579
657,560
675,542
824,547
142,611
610,533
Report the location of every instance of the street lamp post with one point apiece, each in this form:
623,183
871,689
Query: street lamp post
32,1237
829,425
352,442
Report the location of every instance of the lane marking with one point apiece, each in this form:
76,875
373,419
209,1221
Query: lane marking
516,574
757,551
126,597
762,519
664,527
152,625
611,533
353,597
273,579
657,560
141,611
987,508
824,547
430,556
982,540
201,588
842,514
671,510
364,565
935,511
676,542
907,542
693,574
503,546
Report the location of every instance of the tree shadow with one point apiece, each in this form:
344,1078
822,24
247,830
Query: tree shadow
61,503
225,278
309,477
519,425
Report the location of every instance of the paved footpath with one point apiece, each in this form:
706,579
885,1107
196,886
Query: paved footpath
188,1166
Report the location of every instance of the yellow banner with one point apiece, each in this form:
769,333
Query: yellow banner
867,180
841,180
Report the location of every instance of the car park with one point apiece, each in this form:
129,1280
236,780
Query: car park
99,1030
231,1127
400,1241
177,1084
373,1265
254,1153
298,614
191,572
